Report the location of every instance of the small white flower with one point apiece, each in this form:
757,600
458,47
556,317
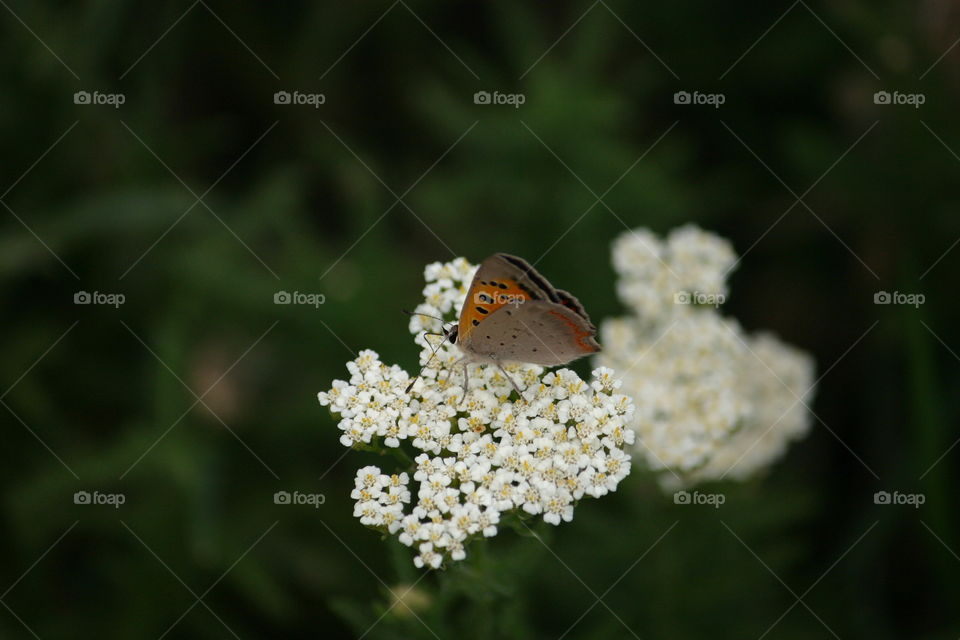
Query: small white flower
428,557
557,504
479,452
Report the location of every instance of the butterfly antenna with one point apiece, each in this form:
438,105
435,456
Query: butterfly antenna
426,364
426,315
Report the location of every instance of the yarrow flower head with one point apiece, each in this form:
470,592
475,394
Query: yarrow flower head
481,453
671,277
711,400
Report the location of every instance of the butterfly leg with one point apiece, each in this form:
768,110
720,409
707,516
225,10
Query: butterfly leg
465,363
466,378
510,378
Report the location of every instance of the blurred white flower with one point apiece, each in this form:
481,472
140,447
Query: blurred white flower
778,416
711,400
653,273
480,453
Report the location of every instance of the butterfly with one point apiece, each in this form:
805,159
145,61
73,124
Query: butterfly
513,314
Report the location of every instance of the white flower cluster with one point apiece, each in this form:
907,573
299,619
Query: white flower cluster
667,278
481,452
711,400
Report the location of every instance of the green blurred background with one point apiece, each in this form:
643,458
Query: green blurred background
297,198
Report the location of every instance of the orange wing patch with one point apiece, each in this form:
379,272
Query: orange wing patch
582,335
487,296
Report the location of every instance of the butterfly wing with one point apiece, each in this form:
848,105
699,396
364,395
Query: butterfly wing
537,332
502,279
569,301
503,266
